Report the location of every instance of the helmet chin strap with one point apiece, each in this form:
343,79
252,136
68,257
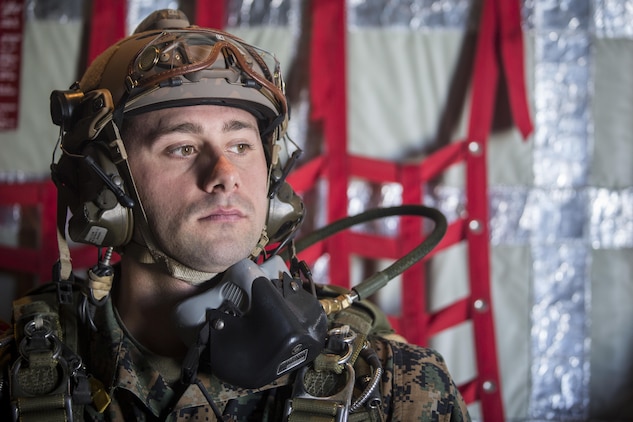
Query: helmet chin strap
152,255
166,264
261,244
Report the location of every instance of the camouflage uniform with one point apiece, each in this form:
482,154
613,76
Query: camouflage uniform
416,385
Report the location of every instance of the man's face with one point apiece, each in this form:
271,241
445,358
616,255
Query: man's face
201,175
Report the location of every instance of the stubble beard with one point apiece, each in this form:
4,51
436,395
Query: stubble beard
206,245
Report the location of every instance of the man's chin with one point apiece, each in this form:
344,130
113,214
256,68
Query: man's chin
215,254
216,263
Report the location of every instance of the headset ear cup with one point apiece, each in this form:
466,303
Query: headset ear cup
97,217
285,214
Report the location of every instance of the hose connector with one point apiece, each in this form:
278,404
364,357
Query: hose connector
337,304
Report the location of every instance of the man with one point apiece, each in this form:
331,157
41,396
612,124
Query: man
170,156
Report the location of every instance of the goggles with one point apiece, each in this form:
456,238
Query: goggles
205,64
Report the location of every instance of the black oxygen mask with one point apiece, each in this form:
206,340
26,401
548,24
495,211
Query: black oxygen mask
253,325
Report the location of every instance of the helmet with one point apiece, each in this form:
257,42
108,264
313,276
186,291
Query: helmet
166,63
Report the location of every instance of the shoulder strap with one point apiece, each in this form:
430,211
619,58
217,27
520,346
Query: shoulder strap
48,381
326,390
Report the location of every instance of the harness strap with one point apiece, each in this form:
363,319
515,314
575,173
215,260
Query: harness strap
48,380
361,323
319,405
54,408
40,382
324,392
310,410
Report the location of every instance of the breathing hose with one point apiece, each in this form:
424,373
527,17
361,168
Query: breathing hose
377,281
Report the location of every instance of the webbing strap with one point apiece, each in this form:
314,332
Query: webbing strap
48,381
372,415
360,322
53,408
326,406
324,392
39,377
309,410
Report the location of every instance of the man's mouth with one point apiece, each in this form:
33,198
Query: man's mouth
224,214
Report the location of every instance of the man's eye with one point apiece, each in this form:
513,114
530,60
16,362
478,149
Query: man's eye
241,148
183,151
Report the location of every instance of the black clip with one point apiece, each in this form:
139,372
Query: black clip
64,287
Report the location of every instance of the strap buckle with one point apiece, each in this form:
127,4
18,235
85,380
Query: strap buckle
304,405
40,380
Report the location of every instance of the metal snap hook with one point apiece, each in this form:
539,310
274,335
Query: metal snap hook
38,325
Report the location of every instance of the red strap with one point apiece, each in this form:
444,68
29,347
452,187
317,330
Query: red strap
306,176
454,314
485,75
414,309
455,233
329,106
511,38
210,14
442,159
484,86
469,391
373,170
107,25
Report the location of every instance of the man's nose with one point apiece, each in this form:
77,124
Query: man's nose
221,175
